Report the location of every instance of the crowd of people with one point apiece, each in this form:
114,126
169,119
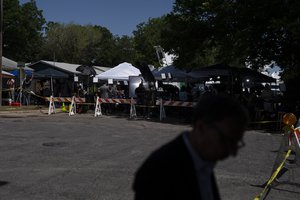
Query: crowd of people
19,94
112,91
262,102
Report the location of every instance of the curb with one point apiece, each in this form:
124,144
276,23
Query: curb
21,113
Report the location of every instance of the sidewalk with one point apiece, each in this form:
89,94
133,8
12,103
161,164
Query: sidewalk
23,111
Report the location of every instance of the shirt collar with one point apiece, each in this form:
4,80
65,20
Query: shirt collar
198,161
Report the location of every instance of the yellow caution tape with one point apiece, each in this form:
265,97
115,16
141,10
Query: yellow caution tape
6,90
264,122
274,175
32,93
288,129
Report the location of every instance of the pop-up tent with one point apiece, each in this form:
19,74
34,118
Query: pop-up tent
16,72
8,64
231,72
7,74
170,73
121,72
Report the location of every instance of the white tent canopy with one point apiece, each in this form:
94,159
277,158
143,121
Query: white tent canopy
120,72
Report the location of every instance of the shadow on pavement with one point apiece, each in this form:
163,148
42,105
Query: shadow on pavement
2,183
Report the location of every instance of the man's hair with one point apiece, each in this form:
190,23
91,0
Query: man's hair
214,108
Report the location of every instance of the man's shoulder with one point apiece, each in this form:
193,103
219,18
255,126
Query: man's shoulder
166,173
139,89
169,154
171,148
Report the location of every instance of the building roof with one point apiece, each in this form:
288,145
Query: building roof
9,64
63,66
70,68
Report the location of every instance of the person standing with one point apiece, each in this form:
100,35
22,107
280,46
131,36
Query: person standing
141,99
104,93
183,96
47,89
267,97
140,93
11,85
184,167
27,90
114,91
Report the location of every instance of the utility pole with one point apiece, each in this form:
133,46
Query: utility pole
1,45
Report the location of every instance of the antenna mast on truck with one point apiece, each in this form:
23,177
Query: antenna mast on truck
161,55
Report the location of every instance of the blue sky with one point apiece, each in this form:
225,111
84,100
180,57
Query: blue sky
120,16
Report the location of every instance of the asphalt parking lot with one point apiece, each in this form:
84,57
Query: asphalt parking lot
85,157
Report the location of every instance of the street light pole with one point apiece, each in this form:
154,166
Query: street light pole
1,45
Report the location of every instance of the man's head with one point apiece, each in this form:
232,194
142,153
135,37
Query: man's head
219,123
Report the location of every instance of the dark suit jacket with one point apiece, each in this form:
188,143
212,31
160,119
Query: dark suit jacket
169,173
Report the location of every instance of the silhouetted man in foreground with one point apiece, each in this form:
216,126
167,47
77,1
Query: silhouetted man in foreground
183,168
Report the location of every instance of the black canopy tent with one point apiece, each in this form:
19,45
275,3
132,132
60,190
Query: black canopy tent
57,76
87,71
50,73
254,76
209,71
171,73
230,72
233,78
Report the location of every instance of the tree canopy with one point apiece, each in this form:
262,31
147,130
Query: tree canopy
198,32
146,36
202,32
22,30
75,43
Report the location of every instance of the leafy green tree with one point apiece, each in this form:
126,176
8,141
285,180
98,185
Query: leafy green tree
148,35
104,47
74,43
202,32
61,42
188,36
124,50
23,30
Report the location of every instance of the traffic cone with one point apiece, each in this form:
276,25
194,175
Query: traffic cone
63,108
